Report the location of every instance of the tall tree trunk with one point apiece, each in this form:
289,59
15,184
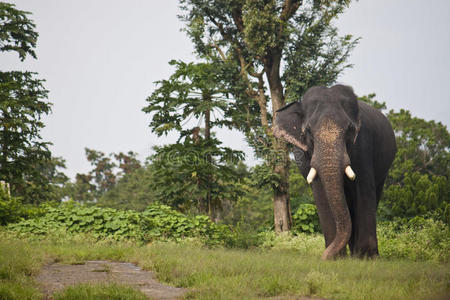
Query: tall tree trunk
282,205
281,202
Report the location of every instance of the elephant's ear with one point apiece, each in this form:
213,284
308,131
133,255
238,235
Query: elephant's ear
288,125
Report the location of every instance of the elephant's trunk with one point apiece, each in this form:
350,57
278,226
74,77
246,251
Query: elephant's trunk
331,160
332,180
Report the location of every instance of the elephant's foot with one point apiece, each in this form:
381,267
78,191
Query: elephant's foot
365,248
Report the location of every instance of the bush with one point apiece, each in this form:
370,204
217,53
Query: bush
157,222
306,219
11,208
416,239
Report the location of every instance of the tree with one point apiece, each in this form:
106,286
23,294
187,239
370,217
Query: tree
46,182
258,37
103,172
418,182
104,175
134,190
194,91
82,190
128,163
22,105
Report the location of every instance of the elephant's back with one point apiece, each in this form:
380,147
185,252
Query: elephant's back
378,127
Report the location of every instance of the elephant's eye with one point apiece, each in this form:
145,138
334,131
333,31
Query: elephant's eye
351,130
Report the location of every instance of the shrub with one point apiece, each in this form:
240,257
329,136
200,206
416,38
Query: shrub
157,222
416,239
306,219
11,208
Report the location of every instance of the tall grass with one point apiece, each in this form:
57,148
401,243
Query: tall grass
18,264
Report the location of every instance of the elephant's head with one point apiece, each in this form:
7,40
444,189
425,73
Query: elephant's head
325,125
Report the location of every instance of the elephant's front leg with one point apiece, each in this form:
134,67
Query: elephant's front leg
327,223
364,239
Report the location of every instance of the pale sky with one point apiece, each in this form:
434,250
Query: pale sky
100,59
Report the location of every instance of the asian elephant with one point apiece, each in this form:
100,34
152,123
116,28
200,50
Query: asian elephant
344,149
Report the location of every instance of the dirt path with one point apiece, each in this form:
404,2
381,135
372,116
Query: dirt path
55,277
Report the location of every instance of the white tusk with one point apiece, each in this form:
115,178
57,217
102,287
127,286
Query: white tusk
311,175
350,174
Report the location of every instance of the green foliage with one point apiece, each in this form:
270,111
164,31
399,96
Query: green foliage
415,239
317,55
10,208
261,23
253,210
422,145
199,162
264,174
13,210
17,32
195,175
418,181
21,148
418,194
25,161
161,222
156,222
132,191
306,219
103,177
299,190
194,90
103,172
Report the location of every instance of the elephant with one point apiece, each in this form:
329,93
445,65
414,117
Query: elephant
344,148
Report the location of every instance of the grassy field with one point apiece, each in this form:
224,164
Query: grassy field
224,273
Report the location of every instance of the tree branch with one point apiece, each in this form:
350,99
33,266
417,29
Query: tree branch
289,9
222,55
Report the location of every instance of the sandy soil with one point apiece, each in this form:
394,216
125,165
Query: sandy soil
55,277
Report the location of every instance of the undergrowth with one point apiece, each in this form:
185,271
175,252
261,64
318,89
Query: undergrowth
157,222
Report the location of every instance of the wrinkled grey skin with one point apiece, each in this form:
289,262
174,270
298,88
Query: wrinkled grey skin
330,130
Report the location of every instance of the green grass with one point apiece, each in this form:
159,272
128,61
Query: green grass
233,274
99,292
224,273
18,264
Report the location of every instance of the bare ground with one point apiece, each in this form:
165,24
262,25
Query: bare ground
55,277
